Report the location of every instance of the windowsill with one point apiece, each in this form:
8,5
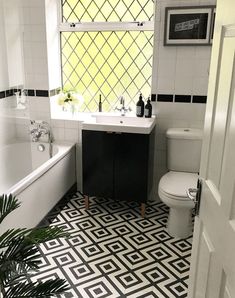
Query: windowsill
68,116
82,116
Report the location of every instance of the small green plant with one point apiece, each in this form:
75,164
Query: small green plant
70,100
20,258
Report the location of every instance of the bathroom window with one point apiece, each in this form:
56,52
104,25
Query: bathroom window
107,50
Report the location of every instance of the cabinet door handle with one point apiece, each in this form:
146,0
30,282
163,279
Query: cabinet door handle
109,132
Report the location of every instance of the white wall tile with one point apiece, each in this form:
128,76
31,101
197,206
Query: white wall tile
57,123
166,85
185,68
37,15
160,158
41,82
58,133
71,124
39,50
202,68
178,70
183,85
200,86
166,67
167,52
70,134
53,43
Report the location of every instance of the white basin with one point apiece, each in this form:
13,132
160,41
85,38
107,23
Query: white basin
116,123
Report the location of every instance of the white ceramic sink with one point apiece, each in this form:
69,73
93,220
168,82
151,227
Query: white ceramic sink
116,123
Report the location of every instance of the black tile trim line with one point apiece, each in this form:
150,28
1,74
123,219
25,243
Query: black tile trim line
165,97
153,97
199,99
181,98
29,92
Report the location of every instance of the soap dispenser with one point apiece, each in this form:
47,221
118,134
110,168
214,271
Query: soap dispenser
140,106
148,109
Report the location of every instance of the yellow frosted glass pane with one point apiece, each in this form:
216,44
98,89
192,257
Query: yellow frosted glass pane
107,10
114,17
113,79
108,63
93,50
99,60
106,70
120,50
113,60
93,69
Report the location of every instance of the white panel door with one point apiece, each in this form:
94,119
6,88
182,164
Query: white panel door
212,272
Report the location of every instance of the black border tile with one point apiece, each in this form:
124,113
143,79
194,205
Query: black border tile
153,97
16,90
183,98
165,97
2,94
42,93
30,92
199,98
9,92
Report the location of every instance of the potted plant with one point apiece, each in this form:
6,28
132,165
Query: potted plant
20,258
70,100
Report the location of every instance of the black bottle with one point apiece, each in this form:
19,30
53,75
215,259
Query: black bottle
100,104
140,107
148,109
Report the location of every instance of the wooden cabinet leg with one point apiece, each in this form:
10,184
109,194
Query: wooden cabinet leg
86,202
142,209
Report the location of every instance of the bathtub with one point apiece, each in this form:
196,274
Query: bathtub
38,181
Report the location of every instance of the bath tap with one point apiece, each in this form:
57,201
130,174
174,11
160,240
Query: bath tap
35,134
39,129
123,110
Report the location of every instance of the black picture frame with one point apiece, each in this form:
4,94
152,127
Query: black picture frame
188,25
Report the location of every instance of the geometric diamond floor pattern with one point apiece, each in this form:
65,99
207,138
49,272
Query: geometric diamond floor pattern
113,252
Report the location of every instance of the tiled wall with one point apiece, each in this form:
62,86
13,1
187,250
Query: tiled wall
35,45
180,70
7,123
177,71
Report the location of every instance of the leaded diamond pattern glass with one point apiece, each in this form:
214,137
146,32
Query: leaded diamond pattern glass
109,63
107,11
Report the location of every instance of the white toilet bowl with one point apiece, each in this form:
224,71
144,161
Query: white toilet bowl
172,191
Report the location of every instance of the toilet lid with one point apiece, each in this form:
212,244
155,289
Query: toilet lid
177,183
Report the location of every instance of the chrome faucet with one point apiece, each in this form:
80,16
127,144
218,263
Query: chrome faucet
41,128
123,110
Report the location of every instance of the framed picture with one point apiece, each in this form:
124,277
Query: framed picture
188,25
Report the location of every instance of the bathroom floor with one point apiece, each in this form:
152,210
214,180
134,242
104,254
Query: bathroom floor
113,252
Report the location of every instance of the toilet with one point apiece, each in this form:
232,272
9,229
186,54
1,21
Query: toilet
183,161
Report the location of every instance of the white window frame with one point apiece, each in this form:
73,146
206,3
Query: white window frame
107,26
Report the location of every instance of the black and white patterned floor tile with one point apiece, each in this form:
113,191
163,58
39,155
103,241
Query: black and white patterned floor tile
113,252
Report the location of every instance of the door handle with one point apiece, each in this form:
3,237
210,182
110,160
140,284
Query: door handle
194,194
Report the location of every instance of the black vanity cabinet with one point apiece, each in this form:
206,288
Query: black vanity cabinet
117,165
